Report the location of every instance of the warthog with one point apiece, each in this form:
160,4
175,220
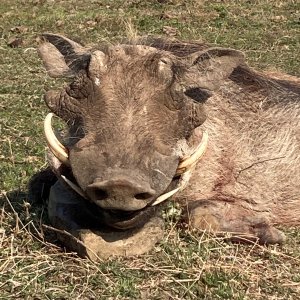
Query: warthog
150,117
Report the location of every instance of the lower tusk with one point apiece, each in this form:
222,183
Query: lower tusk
73,186
165,196
56,147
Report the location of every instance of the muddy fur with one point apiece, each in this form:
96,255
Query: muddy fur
251,171
248,180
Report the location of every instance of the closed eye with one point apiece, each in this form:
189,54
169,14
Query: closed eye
198,95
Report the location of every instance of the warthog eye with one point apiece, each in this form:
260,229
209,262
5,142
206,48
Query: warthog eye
164,61
197,94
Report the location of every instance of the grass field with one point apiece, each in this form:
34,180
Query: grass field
185,265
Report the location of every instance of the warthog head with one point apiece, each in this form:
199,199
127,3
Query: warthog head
129,110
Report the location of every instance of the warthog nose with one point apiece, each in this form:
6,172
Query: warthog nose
121,193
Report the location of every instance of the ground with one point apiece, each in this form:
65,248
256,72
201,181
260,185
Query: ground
186,264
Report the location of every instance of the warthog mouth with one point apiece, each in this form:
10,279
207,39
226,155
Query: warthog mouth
124,220
121,219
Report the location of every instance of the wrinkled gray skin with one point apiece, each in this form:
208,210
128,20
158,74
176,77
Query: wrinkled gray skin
131,107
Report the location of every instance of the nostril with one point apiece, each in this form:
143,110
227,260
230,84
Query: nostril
143,196
100,194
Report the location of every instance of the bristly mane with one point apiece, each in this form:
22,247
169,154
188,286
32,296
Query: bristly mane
176,47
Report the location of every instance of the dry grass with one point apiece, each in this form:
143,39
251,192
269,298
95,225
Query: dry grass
186,265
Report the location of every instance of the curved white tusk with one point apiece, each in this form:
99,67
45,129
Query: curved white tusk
73,186
165,196
58,149
185,169
188,162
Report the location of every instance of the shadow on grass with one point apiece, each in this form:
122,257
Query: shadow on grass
27,209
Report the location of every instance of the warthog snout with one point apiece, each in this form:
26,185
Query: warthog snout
122,193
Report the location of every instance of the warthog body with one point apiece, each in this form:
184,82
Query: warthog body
133,111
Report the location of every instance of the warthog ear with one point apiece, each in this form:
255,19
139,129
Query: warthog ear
207,69
61,56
